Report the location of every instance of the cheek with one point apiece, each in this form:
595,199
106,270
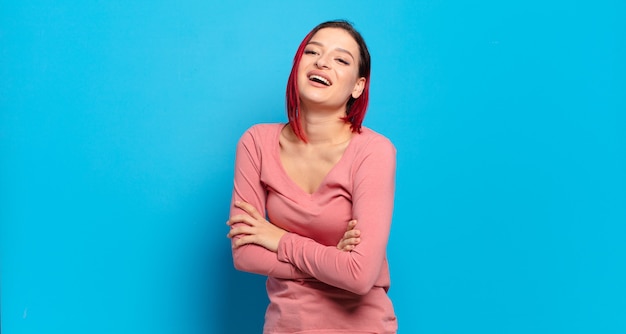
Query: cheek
301,71
350,81
305,61
301,80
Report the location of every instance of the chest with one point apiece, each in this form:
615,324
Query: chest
322,222
308,168
322,216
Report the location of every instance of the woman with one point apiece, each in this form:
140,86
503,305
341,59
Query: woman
315,179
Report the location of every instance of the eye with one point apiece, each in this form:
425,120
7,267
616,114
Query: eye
343,61
310,52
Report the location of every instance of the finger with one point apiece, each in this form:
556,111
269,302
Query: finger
351,234
344,247
246,219
240,230
347,248
244,240
249,208
350,243
351,224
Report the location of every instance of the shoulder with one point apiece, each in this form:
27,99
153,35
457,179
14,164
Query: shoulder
374,156
263,129
371,141
258,141
262,132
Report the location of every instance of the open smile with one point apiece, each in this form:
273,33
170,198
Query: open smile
320,79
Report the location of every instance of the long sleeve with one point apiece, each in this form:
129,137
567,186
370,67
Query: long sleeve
249,188
373,184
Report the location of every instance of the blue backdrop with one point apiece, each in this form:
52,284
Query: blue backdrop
118,127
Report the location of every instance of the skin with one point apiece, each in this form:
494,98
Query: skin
332,54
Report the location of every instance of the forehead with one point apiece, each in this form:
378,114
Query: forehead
336,38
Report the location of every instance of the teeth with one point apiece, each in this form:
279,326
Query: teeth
320,79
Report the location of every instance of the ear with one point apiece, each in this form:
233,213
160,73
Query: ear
358,88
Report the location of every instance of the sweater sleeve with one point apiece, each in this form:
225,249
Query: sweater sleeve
248,188
372,204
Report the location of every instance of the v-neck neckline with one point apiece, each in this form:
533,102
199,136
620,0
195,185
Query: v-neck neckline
298,189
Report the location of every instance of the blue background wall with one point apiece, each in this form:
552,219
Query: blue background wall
119,121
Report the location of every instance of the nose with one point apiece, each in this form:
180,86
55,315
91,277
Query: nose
321,62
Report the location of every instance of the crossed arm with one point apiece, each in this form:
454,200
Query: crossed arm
250,232
254,229
358,260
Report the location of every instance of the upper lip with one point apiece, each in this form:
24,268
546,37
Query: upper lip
321,75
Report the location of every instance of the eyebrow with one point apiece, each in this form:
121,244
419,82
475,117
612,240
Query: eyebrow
337,49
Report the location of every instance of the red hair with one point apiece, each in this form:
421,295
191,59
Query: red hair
355,108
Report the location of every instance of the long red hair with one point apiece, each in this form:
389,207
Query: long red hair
355,108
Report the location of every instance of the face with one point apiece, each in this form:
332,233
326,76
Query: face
328,73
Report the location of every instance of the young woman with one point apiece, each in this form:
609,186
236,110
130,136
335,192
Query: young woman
301,189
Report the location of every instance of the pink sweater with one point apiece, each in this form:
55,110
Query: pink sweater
312,286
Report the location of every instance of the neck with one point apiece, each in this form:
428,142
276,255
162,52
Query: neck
325,128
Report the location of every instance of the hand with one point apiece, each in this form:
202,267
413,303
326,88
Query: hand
253,228
350,239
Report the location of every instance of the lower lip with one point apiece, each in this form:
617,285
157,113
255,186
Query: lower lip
317,84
